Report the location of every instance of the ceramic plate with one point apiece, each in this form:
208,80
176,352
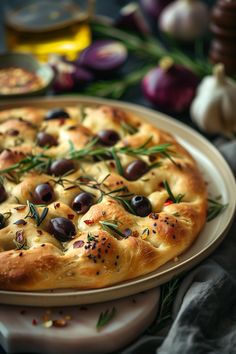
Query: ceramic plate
220,181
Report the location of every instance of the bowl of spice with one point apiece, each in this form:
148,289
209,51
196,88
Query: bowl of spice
21,75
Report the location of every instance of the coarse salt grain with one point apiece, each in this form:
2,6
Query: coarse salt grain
48,324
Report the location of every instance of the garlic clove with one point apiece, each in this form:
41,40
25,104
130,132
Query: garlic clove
213,109
228,116
185,20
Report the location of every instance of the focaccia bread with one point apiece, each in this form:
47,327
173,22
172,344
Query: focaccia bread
92,196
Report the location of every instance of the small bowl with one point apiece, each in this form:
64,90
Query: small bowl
29,63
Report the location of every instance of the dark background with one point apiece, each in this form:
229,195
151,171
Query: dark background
105,7
111,9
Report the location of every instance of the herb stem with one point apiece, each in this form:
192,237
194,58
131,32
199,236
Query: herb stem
116,88
167,297
153,48
214,209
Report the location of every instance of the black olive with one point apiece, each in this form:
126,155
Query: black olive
43,193
45,139
108,137
2,221
141,205
57,113
61,166
135,169
82,202
3,193
63,229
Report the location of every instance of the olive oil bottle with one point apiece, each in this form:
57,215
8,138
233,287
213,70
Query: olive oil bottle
49,27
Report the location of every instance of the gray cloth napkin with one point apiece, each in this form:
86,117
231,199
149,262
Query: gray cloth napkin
204,311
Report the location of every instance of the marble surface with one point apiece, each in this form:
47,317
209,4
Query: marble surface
73,329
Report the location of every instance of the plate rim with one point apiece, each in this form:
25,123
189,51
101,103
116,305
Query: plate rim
140,284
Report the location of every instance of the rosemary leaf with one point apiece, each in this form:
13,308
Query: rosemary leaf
179,197
154,165
167,187
143,150
105,318
41,161
71,148
125,203
111,226
117,161
145,144
167,297
214,209
168,156
33,213
174,199
121,189
43,215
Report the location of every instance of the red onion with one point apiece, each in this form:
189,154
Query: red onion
82,76
131,18
170,87
154,8
69,77
103,56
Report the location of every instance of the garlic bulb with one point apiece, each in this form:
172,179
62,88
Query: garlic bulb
214,107
185,20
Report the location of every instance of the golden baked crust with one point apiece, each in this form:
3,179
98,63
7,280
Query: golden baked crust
111,243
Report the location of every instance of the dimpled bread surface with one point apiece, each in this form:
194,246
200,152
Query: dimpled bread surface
95,256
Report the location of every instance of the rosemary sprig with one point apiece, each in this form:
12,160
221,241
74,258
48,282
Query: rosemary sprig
89,150
143,150
125,202
112,192
33,213
214,209
116,88
111,226
105,317
175,199
38,161
153,49
100,151
167,297
42,162
149,48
